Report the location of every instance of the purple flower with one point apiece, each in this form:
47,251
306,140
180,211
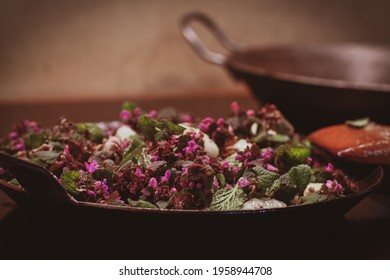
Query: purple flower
91,167
329,168
152,114
250,113
186,118
309,160
153,158
267,154
225,164
272,168
220,122
91,193
2,171
334,186
126,143
235,107
191,148
137,112
248,155
66,151
20,146
153,182
243,182
239,157
203,127
13,135
199,185
139,173
125,115
166,177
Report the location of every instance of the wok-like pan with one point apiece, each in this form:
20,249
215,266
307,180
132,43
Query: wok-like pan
314,85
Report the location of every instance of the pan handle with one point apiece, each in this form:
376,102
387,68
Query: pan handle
193,39
40,185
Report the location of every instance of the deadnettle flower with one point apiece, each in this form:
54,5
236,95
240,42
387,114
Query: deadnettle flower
250,113
272,168
13,135
243,182
153,182
235,107
152,113
91,167
191,148
334,186
267,155
329,168
139,173
125,115
166,177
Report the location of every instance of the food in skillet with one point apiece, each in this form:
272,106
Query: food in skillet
167,160
358,141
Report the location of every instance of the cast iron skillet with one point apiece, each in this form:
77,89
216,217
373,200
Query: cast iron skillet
314,85
41,191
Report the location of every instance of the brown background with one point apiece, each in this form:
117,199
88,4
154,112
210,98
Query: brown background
61,49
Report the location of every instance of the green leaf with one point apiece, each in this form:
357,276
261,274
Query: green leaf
92,131
290,184
359,123
133,152
292,154
69,179
48,157
313,198
102,174
221,179
129,106
228,199
171,127
141,203
300,176
148,126
163,204
153,129
264,177
274,138
34,140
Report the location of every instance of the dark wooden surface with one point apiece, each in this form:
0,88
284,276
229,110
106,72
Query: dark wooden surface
363,233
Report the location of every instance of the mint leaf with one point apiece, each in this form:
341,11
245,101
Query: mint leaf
228,199
102,174
141,203
171,127
313,198
163,204
91,131
274,138
221,179
133,152
69,180
34,140
300,176
48,157
264,177
359,123
148,126
129,106
292,154
158,130
282,189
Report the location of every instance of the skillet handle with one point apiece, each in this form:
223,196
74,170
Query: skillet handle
193,39
43,189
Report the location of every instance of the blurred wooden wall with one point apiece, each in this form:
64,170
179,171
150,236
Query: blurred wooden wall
69,49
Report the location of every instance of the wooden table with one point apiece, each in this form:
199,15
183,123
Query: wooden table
363,233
